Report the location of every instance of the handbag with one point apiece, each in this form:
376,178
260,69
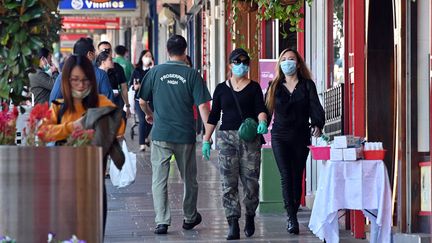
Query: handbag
248,128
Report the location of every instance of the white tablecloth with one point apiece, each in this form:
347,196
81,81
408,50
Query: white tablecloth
359,185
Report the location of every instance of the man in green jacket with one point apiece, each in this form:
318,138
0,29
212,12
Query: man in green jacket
120,59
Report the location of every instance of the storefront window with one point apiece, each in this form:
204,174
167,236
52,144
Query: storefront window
338,43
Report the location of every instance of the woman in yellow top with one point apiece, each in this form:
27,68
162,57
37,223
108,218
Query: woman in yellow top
79,89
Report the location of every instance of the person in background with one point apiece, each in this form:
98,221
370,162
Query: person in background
84,47
124,63
145,62
42,81
292,98
117,79
238,159
79,89
174,88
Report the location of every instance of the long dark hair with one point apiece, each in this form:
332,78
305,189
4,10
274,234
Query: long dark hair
92,100
302,73
140,62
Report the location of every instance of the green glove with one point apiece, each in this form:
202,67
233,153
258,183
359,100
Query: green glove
262,127
206,150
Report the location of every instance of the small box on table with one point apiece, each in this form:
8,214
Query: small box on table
352,153
347,141
336,154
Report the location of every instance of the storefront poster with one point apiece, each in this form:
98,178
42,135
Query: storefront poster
97,5
266,75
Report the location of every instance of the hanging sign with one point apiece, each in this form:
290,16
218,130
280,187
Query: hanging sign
97,5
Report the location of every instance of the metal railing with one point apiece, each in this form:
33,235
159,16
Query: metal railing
333,107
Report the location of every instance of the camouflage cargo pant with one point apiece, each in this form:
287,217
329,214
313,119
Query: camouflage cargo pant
239,159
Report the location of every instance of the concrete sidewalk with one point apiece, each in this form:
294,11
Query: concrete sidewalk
131,215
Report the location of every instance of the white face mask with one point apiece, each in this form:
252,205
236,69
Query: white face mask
147,61
80,94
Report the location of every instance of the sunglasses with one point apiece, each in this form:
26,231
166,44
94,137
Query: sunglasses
238,61
107,50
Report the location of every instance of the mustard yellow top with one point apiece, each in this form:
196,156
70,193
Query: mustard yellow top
58,132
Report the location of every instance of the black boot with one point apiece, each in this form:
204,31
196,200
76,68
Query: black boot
293,225
234,229
249,228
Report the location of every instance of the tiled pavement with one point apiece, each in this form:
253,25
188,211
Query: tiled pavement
131,215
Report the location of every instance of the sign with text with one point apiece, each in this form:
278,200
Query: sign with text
97,5
90,23
266,75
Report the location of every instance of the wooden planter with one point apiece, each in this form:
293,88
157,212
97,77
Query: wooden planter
51,189
247,6
287,2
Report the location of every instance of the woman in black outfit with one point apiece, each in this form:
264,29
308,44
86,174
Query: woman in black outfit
238,159
141,68
292,98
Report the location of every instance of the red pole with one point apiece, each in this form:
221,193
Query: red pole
358,13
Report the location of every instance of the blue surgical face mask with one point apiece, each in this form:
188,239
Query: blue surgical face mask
289,67
240,70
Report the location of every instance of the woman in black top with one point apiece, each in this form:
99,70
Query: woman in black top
292,98
141,68
238,159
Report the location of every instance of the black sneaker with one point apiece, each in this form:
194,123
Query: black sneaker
161,229
189,226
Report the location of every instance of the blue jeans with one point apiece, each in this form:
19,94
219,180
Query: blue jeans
143,128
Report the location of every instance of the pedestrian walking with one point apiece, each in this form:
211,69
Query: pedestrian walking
117,79
84,47
79,89
292,98
42,81
145,62
238,98
174,88
122,61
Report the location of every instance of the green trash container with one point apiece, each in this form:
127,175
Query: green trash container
271,200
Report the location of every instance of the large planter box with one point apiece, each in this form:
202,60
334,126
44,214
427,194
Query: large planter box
51,189
271,200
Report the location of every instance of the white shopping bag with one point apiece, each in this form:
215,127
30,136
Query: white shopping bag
131,98
127,175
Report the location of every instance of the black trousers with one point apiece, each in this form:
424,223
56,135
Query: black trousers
291,161
143,128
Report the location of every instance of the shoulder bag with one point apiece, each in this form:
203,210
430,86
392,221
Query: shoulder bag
248,127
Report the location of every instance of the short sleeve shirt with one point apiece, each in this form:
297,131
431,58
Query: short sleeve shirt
174,89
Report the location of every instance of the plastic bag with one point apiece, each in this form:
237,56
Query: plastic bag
127,175
131,98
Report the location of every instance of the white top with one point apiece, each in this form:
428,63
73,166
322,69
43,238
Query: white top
359,185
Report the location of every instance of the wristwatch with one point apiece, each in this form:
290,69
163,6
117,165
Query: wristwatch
128,105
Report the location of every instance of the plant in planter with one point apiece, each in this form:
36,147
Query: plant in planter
8,120
286,11
25,27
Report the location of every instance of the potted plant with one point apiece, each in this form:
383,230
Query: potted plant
48,188
25,27
286,11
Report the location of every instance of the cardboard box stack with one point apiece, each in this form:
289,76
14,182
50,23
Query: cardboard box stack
346,148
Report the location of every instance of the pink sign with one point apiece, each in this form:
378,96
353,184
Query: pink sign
266,75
